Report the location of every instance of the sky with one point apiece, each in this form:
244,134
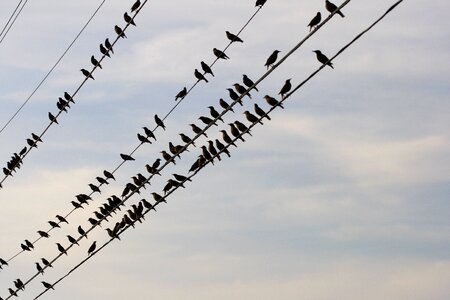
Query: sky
344,194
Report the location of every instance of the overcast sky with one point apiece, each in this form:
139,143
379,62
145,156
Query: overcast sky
343,195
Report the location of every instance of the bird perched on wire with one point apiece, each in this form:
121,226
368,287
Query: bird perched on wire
332,8
322,58
220,54
149,133
47,285
225,105
108,175
315,21
199,76
181,94
272,101
43,234
135,6
233,38
286,88
128,19
206,68
87,74
272,59
52,118
119,32
242,127
167,156
207,120
104,51
260,3
252,118
260,112
95,62
234,96
214,113
213,150
241,90
61,248
186,139
248,82
92,248
227,139
126,156
159,122
235,132
108,46
197,130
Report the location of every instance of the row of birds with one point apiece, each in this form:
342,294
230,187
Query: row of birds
63,104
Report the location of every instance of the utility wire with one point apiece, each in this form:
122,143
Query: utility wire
51,69
9,20
226,147
13,21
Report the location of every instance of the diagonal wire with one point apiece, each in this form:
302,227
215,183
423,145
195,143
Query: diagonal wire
13,21
9,20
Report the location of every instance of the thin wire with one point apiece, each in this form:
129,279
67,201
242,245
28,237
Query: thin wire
14,20
52,68
9,20
226,147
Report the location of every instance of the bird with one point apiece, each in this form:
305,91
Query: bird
235,132
128,19
62,104
143,139
234,96
225,105
332,8
272,101
315,21
126,157
29,244
186,139
159,122
54,224
25,247
227,139
197,164
242,127
47,285
101,180
92,248
46,263
167,157
87,73
52,118
104,51
36,137
108,45
214,113
199,75
213,150
149,133
207,155
158,198
32,143
260,3
43,234
252,118
197,130
181,94
61,248
94,188
220,54
108,175
181,177
206,68
119,32
156,164
233,38
207,120
286,88
248,82
61,219
322,58
260,112
95,62
23,151
81,231
76,204
272,59
241,90
19,284
3,262
12,292
222,148
72,240
39,268
135,6
68,97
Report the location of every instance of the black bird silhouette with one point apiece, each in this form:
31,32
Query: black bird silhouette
76,204
235,132
221,147
61,219
315,21
234,96
72,240
147,204
260,3
81,231
128,19
19,284
29,244
52,118
156,163
25,247
286,88
214,113
108,46
322,58
104,51
272,101
220,54
36,137
61,248
227,139
181,177
54,224
135,6
260,112
119,31
272,59
101,180
252,118
108,175
143,139
242,127
197,130
149,133
95,62
12,292
47,285
199,75
248,82
207,120
168,187
233,38
206,154
39,268
3,262
92,248
159,122
31,143
213,150
186,139
206,68
94,188
126,156
23,151
181,94
197,164
87,73
225,105
332,7
46,263
62,104
68,97
43,234
241,90
158,198
167,156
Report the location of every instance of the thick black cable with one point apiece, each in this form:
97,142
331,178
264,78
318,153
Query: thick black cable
14,20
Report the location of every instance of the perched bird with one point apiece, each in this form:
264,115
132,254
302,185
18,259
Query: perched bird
214,113
61,219
225,105
43,234
252,118
167,157
3,262
241,90
39,268
68,97
186,139
158,198
147,204
62,105
272,59
119,31
95,62
197,164
181,94
260,3
61,248
36,137
207,120
272,101
108,46
12,292
286,88
233,38
260,112
76,204
181,177
227,139
29,244
156,163
213,150
101,180
206,68
220,54
54,224
322,58
135,6
128,19
234,96
149,133
199,75
159,122
222,148
46,263
332,8
108,175
197,130
23,151
207,155
81,231
248,82
19,284
87,73
242,127
72,240
32,143
47,285
52,118
143,139
25,247
92,248
315,21
235,132
94,188
104,51
126,157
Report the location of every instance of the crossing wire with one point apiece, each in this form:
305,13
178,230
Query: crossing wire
9,20
13,21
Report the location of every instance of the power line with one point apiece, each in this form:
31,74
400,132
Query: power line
9,20
13,21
